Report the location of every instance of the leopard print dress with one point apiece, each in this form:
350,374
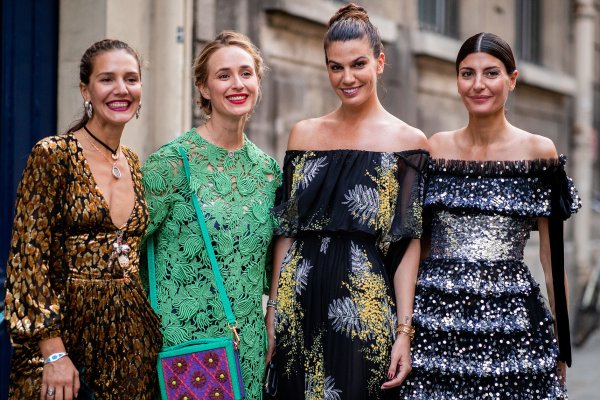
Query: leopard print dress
65,278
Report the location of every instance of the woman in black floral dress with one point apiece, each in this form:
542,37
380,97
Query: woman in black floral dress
75,306
350,215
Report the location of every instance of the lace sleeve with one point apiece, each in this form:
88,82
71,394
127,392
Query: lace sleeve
159,178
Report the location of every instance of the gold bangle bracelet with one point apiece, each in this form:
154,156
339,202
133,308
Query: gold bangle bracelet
404,329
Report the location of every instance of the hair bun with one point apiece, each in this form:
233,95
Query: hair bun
350,11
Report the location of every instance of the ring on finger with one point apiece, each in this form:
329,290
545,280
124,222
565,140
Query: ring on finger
50,392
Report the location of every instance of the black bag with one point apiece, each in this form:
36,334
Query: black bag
271,380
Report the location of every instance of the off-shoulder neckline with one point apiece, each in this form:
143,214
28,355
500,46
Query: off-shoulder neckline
497,167
342,151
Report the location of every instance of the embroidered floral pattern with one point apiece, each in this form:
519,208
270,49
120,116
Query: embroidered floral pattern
216,394
179,365
222,376
211,359
345,210
198,379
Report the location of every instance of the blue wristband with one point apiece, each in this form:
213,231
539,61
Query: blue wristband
54,357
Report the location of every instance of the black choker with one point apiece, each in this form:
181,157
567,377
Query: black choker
113,153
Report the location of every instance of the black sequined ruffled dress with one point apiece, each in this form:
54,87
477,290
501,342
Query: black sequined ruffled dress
483,328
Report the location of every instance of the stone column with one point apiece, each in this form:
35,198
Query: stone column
170,71
582,152
161,31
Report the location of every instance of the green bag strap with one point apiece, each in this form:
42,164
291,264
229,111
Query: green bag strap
151,272
209,248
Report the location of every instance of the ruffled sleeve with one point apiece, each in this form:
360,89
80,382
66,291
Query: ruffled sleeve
407,222
284,214
564,198
34,288
564,202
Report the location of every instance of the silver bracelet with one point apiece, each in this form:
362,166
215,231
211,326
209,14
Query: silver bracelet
271,303
54,357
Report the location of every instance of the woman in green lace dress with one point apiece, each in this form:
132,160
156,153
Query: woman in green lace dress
235,183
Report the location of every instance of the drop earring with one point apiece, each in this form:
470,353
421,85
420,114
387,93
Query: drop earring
89,110
137,112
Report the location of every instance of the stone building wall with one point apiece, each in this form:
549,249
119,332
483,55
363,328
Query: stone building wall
418,85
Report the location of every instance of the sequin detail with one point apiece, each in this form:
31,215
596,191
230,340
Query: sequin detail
483,328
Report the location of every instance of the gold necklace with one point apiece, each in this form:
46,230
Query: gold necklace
116,172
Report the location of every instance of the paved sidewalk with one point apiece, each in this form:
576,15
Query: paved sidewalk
583,379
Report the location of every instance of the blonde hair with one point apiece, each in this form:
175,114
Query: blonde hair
223,39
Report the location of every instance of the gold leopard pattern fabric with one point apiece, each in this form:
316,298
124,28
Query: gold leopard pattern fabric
63,278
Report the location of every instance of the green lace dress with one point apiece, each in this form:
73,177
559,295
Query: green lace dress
236,191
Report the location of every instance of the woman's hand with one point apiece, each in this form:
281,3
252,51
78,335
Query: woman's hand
561,371
270,323
60,378
400,364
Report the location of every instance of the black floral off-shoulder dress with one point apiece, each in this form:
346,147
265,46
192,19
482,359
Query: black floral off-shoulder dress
351,214
72,273
483,328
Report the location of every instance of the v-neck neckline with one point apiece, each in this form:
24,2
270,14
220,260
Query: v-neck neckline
99,192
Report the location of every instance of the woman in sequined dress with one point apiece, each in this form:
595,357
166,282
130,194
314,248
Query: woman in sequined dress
75,305
350,212
235,183
483,330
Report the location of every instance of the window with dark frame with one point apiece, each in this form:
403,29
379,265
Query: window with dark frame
529,30
440,16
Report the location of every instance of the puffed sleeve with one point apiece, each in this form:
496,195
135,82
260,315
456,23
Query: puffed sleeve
33,286
564,202
284,212
407,222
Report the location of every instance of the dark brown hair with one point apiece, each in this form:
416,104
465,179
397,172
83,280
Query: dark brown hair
223,39
86,67
491,44
352,22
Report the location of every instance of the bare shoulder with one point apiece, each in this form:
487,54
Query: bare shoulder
443,144
537,146
406,137
542,147
303,133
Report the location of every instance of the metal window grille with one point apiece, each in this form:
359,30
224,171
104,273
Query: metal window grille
440,16
529,30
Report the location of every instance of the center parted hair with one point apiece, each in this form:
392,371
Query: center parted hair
223,39
494,45
352,22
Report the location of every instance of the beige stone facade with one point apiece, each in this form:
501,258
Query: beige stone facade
419,83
